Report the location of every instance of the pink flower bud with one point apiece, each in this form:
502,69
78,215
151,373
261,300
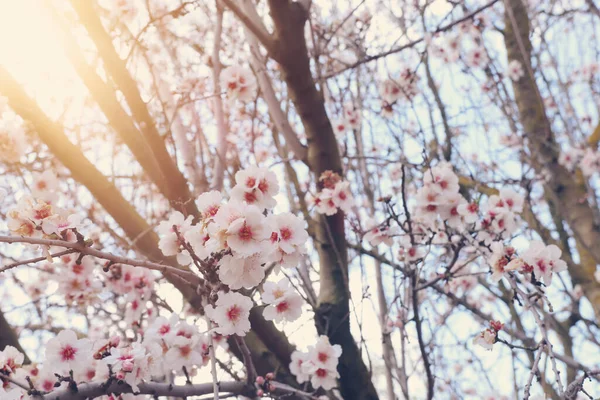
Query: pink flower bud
260,393
127,366
270,376
260,380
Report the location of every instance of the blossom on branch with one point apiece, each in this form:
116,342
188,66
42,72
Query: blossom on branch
231,313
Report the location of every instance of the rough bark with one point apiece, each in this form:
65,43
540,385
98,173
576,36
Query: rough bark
333,312
8,337
179,193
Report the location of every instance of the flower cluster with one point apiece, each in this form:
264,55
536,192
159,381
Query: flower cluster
488,337
539,259
402,87
590,162
335,194
136,284
38,215
438,201
38,218
350,121
10,361
284,303
166,345
239,83
440,215
515,70
318,365
75,277
238,238
587,160
465,42
500,218
381,233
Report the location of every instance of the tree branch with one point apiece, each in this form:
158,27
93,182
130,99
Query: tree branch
256,27
93,390
179,194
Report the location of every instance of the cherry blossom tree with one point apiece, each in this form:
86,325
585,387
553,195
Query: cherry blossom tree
299,199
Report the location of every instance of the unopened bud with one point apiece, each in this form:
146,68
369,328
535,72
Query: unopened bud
115,340
127,366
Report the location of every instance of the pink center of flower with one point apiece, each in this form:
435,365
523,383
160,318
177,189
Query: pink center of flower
250,197
10,363
263,186
321,373
185,351
286,233
67,353
164,329
542,265
245,233
234,313
282,307
43,212
212,210
26,229
77,268
251,182
184,334
323,357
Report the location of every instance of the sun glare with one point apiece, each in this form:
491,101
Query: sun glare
32,51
